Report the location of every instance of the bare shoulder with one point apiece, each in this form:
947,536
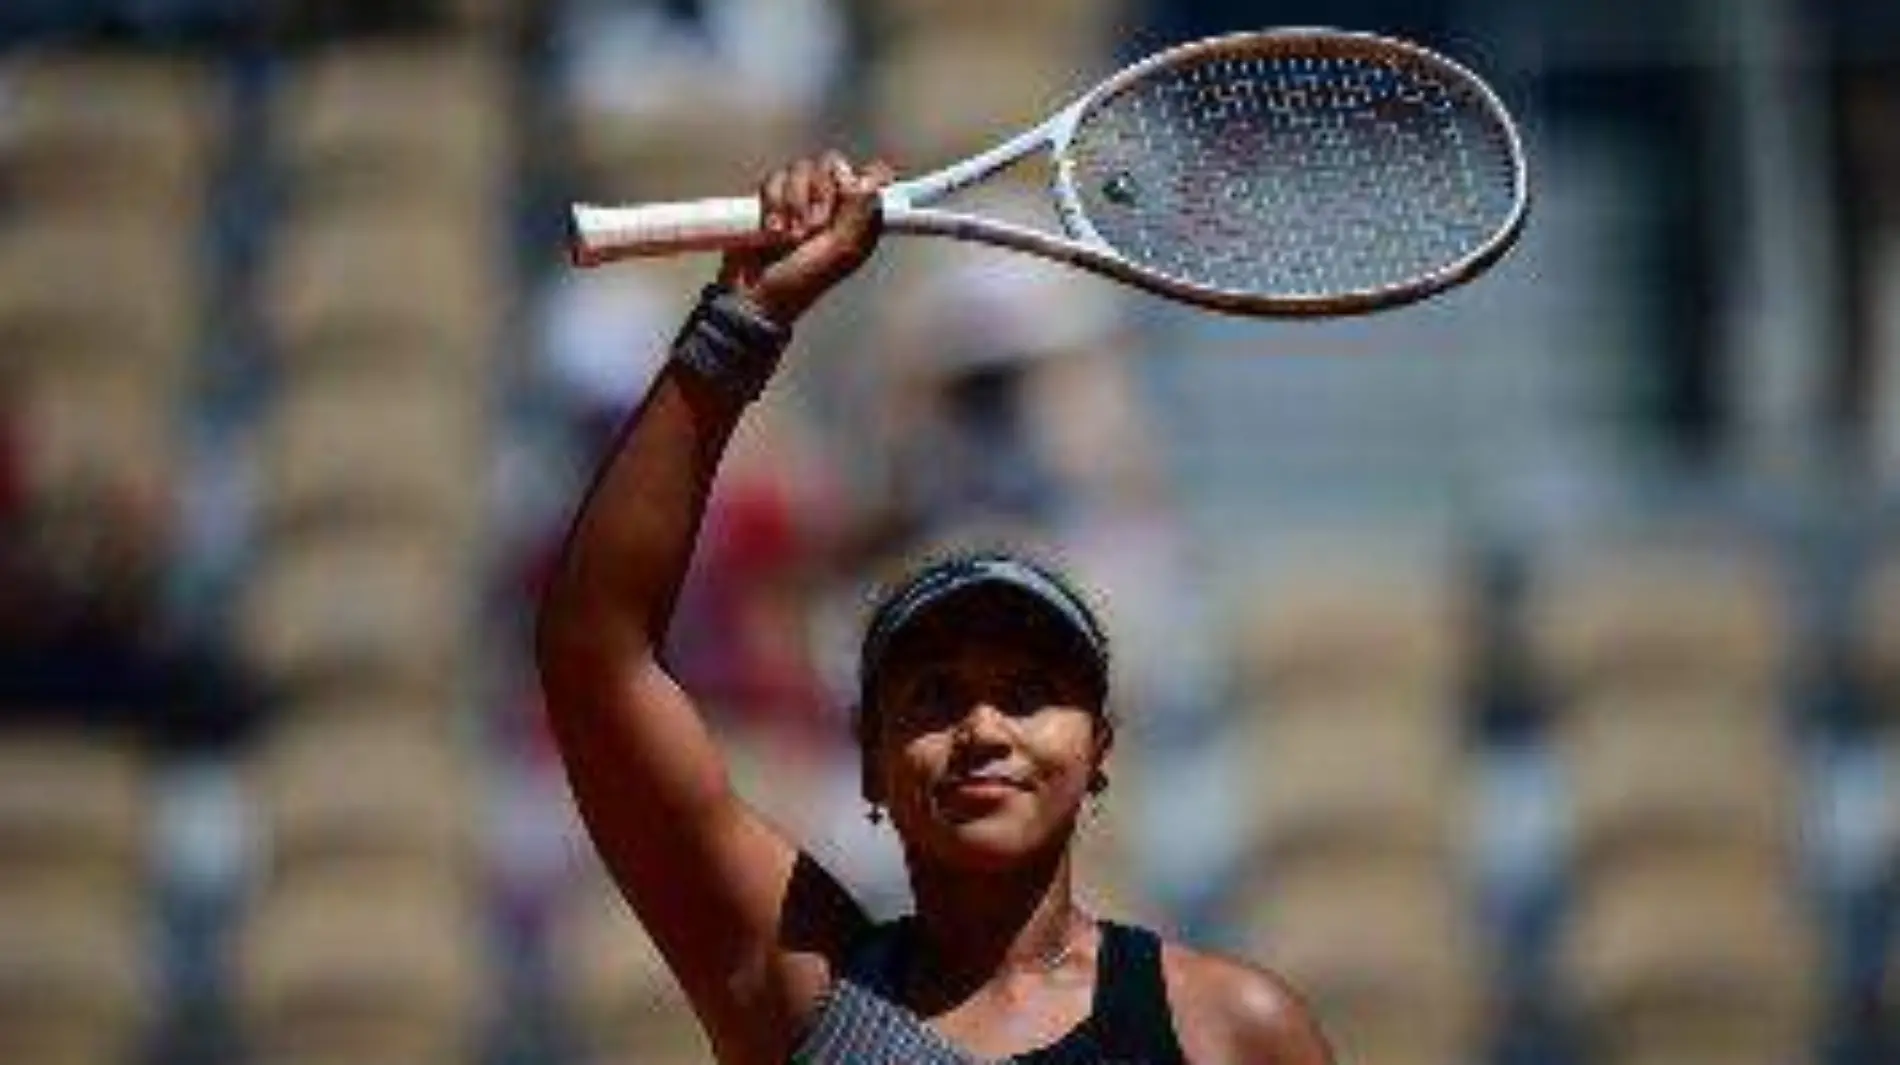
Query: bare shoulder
1230,1012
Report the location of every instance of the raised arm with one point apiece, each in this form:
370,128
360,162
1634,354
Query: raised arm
748,925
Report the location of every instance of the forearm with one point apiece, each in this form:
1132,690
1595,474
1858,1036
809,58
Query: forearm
620,572
610,599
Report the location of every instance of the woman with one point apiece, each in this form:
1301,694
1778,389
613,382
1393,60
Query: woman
983,732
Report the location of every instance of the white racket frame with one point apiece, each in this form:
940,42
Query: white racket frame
603,234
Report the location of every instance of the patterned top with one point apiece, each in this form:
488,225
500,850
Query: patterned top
860,1021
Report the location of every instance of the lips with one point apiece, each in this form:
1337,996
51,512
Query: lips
981,785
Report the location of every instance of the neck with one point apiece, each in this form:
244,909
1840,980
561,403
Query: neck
976,927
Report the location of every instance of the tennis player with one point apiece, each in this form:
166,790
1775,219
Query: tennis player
983,730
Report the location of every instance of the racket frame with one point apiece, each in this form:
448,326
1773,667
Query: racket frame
906,205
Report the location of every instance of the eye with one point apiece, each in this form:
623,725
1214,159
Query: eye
931,697
1030,692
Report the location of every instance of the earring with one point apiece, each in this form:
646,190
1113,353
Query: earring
875,814
1098,786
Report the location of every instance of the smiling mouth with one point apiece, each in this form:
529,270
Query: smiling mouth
981,786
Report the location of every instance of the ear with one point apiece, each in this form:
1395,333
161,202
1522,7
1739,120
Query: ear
1104,738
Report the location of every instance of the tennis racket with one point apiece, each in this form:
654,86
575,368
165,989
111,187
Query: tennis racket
1293,172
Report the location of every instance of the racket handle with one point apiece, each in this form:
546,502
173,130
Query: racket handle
602,234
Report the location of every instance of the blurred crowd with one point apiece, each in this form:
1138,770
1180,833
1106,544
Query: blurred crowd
1517,673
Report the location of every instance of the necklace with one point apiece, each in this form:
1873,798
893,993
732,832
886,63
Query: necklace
1048,962
1053,960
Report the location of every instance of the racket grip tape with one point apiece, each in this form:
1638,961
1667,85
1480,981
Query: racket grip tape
599,234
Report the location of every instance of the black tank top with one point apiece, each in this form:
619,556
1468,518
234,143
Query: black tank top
861,1022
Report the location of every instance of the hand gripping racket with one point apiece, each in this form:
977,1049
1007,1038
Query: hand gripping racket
1292,172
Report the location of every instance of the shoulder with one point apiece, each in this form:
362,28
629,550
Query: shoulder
1230,1011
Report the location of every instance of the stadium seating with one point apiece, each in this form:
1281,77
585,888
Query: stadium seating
106,160
1344,782
322,236
1000,87
97,319
412,799
374,449
612,987
77,980
661,154
1692,962
120,288
1384,951
1370,628
1679,777
1684,938
1090,24
380,968
100,135
73,815
410,125
360,288
1354,666
349,606
1709,617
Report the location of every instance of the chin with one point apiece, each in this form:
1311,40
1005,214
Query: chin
988,844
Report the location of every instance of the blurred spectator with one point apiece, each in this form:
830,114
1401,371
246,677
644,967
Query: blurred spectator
742,634
603,335
140,20
83,636
657,55
739,637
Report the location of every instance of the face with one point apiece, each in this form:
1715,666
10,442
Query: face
985,745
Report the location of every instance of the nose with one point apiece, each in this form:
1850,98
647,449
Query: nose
983,726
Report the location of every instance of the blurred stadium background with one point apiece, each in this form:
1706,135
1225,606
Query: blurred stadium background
1519,672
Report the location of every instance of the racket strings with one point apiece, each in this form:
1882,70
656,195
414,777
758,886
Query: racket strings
1291,175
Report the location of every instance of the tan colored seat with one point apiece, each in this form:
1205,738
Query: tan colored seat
936,100
1065,24
105,133
1676,775
1367,780
353,793
1386,953
360,286
405,123
107,289
1712,619
374,699
364,968
387,605
1710,961
347,449
73,814
96,425
662,152
77,984
1332,627
613,987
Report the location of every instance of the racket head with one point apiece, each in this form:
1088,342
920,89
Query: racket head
1293,172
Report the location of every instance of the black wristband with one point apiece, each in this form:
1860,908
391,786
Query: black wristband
730,343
